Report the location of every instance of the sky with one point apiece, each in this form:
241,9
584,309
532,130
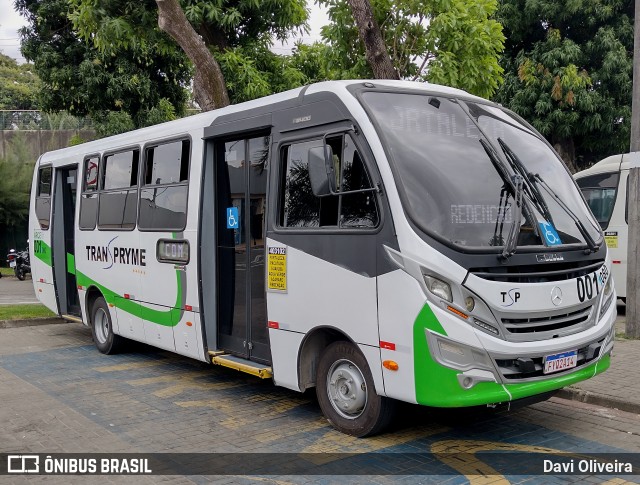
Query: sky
11,21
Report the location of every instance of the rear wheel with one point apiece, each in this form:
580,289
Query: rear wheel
346,392
102,329
20,274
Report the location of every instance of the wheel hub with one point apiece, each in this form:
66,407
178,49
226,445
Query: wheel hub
101,325
347,389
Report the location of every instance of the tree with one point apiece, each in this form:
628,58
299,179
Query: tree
212,34
568,70
18,85
452,42
84,80
16,169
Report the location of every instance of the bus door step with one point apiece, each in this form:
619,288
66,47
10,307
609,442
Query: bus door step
242,365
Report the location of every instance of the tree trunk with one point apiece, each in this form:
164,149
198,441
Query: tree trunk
567,151
209,89
371,36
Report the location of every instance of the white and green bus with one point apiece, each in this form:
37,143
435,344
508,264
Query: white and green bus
376,240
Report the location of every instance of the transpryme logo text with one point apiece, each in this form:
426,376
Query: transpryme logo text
116,255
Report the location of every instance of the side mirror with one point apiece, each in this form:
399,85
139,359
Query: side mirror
321,172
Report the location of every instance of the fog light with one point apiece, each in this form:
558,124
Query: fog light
470,303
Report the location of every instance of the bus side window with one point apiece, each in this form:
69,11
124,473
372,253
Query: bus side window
43,197
301,208
89,198
118,190
163,197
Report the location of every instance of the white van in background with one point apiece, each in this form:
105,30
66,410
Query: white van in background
605,186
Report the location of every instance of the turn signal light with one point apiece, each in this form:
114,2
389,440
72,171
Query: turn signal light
391,365
457,312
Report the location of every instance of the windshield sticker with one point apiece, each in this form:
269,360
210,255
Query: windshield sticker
550,234
233,219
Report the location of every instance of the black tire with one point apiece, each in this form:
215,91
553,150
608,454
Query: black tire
20,274
106,341
341,401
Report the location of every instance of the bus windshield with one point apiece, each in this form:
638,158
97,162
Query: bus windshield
600,192
456,161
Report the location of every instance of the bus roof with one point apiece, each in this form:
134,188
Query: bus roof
201,120
612,163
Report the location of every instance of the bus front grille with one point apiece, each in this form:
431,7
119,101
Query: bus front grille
547,323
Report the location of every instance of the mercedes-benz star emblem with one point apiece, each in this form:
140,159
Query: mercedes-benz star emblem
556,295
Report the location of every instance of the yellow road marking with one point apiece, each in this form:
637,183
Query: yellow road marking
460,455
335,442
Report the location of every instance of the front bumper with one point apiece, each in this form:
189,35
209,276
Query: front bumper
459,374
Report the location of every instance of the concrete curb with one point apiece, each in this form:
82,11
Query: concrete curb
31,322
575,394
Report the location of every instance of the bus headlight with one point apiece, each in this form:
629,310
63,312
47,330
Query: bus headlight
608,287
439,288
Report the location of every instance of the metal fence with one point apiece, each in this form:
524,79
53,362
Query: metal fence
39,120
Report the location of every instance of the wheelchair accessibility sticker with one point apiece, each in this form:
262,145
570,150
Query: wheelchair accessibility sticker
550,234
233,219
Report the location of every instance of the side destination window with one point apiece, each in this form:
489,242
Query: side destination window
43,197
89,199
163,197
301,208
118,188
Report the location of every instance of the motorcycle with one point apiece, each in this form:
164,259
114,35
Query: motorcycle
19,261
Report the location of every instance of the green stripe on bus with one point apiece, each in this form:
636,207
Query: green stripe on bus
42,251
71,263
168,318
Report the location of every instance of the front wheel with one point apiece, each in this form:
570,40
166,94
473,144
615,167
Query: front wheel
102,329
346,392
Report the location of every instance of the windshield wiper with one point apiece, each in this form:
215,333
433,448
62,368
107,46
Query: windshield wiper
512,238
534,179
516,182
532,189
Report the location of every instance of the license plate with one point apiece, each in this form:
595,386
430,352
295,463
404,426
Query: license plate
12,264
557,362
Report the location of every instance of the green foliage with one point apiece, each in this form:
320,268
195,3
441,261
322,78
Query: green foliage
568,71
76,140
113,123
239,33
452,42
163,111
84,80
16,169
18,85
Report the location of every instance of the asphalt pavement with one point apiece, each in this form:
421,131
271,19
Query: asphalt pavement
16,292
